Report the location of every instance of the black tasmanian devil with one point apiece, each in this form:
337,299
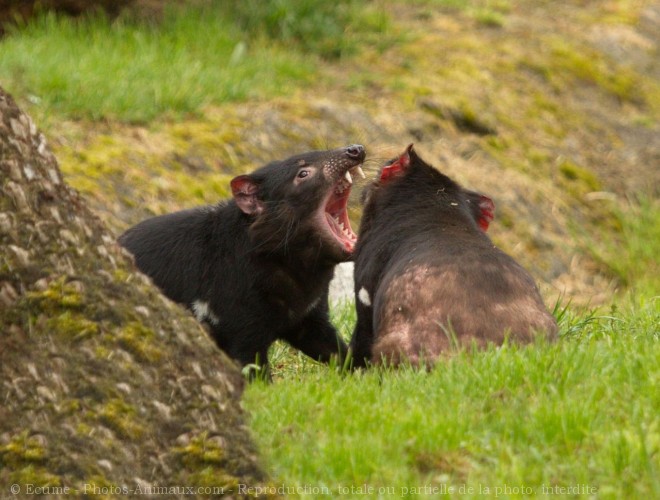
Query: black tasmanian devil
426,273
257,268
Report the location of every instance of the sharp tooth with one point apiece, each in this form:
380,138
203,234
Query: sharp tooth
348,177
359,171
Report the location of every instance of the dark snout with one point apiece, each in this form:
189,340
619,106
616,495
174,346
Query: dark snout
356,152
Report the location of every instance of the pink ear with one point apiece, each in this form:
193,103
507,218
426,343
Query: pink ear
487,208
245,190
398,167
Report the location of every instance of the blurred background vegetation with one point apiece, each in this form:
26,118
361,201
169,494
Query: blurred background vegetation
152,58
551,108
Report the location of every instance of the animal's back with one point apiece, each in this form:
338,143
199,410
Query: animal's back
452,293
168,249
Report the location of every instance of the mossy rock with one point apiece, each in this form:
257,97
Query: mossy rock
103,377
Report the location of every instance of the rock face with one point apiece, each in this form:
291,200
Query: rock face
105,385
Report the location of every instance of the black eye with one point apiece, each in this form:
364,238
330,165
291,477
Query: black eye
303,173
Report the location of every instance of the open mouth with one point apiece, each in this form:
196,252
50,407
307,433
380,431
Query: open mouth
336,214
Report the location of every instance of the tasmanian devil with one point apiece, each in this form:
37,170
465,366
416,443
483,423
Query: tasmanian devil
427,275
257,268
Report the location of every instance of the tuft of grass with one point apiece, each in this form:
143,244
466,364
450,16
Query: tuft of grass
329,29
631,256
488,17
574,172
542,417
489,13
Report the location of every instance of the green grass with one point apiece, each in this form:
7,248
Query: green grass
96,69
631,254
135,71
582,411
329,29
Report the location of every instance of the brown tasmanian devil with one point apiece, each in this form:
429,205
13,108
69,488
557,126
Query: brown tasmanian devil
427,275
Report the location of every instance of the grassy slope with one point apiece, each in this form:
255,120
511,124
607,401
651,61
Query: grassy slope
581,411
